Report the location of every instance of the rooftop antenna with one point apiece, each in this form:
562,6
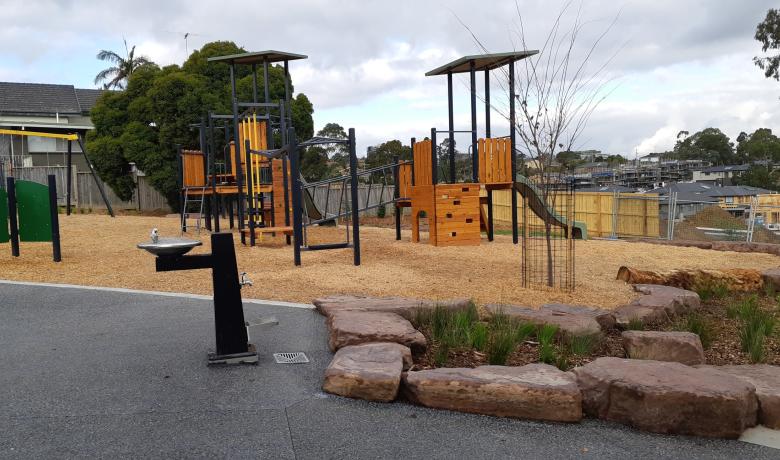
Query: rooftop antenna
186,50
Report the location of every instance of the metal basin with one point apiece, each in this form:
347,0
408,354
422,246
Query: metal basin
170,246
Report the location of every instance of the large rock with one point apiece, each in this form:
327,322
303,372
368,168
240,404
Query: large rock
371,371
679,347
657,304
605,318
356,327
766,379
569,322
533,391
399,305
771,280
667,397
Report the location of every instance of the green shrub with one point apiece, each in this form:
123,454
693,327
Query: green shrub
441,355
636,324
710,289
546,335
582,345
500,345
695,323
479,336
380,212
524,331
441,321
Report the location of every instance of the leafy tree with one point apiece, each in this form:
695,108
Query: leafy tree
709,144
568,160
144,123
338,153
121,69
760,145
385,153
759,176
768,33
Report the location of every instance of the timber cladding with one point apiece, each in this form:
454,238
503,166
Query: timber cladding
453,212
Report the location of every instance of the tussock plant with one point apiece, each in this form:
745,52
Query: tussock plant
710,289
756,325
581,345
636,324
500,345
546,335
695,323
525,331
479,336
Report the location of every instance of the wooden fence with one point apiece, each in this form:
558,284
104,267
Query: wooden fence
632,215
85,193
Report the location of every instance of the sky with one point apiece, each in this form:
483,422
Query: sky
670,65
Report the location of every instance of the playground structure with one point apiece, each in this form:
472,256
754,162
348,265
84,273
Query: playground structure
458,213
29,212
256,173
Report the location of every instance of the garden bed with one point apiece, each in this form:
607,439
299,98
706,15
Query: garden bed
727,323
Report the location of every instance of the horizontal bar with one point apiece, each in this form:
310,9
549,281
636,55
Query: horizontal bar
193,262
16,132
455,131
258,104
325,246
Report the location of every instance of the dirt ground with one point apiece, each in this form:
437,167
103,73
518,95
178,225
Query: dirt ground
98,250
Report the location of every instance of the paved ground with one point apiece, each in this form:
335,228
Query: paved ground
107,374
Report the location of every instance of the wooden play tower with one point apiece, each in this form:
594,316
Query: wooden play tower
458,213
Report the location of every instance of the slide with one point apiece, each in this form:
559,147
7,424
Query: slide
546,212
310,208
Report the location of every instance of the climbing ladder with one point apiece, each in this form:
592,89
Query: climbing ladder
190,199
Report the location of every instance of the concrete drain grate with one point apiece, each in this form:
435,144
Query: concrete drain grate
291,358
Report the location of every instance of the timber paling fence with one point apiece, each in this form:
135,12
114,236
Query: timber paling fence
85,193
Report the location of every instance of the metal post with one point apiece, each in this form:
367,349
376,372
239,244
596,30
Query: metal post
434,159
180,184
490,214
95,177
512,147
55,219
12,219
296,197
487,103
254,82
212,158
354,196
268,132
452,128
474,153
237,155
287,88
69,179
250,190
206,168
396,195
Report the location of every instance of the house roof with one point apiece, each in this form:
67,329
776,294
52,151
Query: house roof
696,191
45,99
481,62
607,188
726,168
258,57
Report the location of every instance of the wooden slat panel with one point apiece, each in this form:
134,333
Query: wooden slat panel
193,168
423,171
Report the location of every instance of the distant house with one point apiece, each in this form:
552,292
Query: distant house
693,197
721,175
46,108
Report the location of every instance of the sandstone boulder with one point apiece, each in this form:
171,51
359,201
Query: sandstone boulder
771,279
357,327
399,305
680,347
370,371
664,397
766,379
657,304
533,391
605,318
569,322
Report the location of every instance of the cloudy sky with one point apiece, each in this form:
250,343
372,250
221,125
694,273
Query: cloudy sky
674,64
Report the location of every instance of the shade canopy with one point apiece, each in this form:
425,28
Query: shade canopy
481,62
258,57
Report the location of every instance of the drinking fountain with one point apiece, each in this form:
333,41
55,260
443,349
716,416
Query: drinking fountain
229,324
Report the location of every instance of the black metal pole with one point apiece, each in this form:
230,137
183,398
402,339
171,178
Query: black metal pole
287,89
212,158
269,141
12,219
354,196
451,137
490,214
230,327
396,195
95,177
206,168
180,184
254,82
487,103
237,156
55,219
296,197
69,179
252,209
434,159
512,148
474,147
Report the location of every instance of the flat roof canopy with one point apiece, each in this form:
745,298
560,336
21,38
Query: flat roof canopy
481,62
257,57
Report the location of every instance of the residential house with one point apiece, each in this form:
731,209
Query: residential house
46,108
720,175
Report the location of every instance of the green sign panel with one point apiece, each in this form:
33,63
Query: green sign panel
4,236
32,201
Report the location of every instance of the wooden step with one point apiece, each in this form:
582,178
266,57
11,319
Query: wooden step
261,230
